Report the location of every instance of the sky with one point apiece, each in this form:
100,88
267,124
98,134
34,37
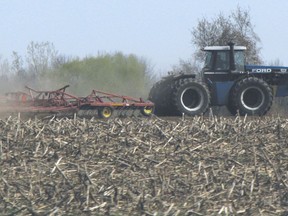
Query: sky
157,30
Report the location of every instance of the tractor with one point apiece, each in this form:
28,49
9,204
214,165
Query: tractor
225,80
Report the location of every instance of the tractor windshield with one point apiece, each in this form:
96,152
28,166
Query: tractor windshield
222,61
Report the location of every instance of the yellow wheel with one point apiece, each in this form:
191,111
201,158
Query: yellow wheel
147,111
105,112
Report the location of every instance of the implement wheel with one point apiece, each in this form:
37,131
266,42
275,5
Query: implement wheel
105,112
147,110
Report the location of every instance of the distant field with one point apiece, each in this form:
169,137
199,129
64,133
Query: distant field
148,166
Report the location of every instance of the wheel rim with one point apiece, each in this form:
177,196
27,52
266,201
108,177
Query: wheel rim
106,112
147,110
192,99
252,98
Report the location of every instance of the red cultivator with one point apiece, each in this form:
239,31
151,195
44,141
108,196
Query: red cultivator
58,101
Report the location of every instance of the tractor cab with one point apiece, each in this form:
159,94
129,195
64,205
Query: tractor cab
224,60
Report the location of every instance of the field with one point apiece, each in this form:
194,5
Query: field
144,166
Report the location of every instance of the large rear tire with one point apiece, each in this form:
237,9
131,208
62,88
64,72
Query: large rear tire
231,106
160,95
251,96
191,97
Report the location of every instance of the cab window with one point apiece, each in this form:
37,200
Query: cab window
208,61
239,60
222,61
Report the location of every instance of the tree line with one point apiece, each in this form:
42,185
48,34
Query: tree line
44,68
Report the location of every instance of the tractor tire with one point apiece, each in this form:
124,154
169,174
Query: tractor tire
251,96
191,97
231,107
160,94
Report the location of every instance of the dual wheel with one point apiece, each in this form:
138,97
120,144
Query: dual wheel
191,97
160,95
249,96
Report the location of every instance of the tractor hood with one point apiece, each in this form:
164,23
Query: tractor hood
265,69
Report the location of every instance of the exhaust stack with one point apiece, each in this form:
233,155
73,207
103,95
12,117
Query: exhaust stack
232,58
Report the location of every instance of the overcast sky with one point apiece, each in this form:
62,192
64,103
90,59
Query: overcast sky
158,30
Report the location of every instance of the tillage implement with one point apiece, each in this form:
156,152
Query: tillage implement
60,102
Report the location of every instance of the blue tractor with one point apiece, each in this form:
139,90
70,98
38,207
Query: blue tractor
225,80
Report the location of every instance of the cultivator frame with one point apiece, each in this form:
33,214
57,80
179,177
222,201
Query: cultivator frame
59,101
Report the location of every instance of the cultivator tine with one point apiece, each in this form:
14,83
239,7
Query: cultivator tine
85,113
130,112
121,112
133,112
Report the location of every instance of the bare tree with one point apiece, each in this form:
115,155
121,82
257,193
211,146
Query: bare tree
17,66
236,27
187,66
276,62
4,74
60,60
4,68
40,57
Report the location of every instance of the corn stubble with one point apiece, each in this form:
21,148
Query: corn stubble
144,166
